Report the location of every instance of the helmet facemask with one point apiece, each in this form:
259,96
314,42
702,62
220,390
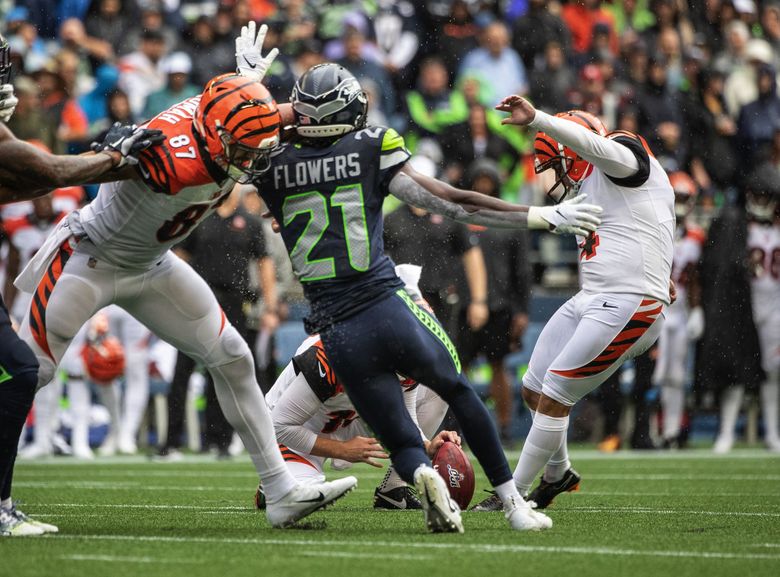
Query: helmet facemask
562,166
5,61
244,163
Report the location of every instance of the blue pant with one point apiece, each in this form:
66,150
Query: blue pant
18,379
396,336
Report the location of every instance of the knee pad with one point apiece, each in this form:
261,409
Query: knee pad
229,348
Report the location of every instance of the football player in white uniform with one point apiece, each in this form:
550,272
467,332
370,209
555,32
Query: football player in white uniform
625,269
685,318
763,244
315,420
116,250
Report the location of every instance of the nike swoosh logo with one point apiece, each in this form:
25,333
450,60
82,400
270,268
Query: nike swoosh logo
559,213
606,306
319,368
400,504
318,499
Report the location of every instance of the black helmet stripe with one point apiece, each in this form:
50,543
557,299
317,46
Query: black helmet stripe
225,94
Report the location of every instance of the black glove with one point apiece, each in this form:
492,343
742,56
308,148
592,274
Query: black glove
128,140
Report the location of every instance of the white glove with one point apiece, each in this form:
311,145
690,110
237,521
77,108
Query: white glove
568,217
695,325
250,61
8,102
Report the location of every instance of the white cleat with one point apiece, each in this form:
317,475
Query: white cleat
522,517
773,445
723,444
36,451
108,448
442,514
23,518
83,453
11,526
127,447
305,499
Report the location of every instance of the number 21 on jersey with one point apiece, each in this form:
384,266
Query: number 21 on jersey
313,204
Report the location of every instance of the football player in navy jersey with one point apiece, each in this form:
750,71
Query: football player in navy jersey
326,188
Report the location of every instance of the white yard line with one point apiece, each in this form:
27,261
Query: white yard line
487,548
648,510
123,559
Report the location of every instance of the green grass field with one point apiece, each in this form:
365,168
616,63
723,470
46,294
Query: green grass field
657,514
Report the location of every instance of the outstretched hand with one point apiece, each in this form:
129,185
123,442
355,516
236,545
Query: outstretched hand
129,141
521,112
572,216
250,61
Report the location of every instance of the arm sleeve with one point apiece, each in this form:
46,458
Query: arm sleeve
295,407
611,156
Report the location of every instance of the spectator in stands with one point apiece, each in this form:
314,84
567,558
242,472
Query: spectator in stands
95,102
74,37
714,166
140,72
365,67
770,25
456,35
433,106
592,96
758,121
581,16
660,115
109,20
61,109
30,122
509,285
151,20
299,25
552,79
213,53
178,67
741,82
533,33
397,38
481,136
496,64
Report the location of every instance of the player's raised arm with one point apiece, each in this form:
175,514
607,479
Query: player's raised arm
27,172
570,217
609,155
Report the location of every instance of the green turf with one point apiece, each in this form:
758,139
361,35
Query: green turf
672,514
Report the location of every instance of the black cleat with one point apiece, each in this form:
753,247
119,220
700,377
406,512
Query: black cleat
260,498
545,492
492,503
397,499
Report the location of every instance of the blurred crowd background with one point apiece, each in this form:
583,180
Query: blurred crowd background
697,79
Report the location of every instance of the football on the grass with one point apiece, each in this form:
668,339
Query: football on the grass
455,468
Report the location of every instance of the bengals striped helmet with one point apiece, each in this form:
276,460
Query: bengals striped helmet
239,120
570,168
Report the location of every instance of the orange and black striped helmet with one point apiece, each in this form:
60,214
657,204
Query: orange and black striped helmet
240,122
570,168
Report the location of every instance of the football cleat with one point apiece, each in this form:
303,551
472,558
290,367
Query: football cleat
522,517
23,518
545,492
723,444
491,503
260,499
306,499
442,514
396,499
10,526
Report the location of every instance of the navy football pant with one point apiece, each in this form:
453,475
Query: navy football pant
18,379
396,336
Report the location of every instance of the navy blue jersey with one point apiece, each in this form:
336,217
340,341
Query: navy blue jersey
328,202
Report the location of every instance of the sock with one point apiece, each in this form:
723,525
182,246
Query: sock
545,438
245,409
79,397
672,402
506,491
730,403
559,463
7,503
391,481
770,391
